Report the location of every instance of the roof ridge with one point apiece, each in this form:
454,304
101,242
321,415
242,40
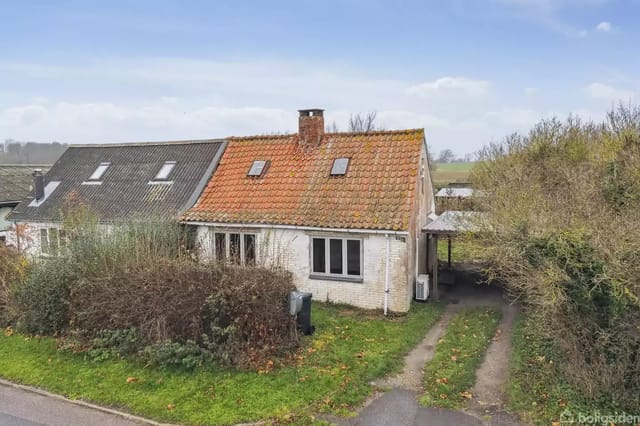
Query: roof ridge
151,143
27,165
343,134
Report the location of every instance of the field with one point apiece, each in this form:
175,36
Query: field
446,173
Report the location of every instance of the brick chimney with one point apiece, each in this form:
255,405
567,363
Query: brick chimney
310,127
38,184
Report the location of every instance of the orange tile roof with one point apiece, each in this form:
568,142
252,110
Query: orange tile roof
377,192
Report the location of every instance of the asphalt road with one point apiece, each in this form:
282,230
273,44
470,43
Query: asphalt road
19,407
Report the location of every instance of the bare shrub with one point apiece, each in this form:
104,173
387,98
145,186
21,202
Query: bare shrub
12,272
564,234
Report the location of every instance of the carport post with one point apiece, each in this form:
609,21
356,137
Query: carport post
435,270
449,252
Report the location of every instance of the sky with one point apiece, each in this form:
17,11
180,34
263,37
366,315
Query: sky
469,72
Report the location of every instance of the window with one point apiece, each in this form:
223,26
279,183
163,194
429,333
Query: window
339,166
336,257
165,170
99,172
239,248
220,241
52,240
257,168
249,249
234,248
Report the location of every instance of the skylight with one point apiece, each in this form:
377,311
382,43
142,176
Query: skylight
339,166
257,168
99,171
165,170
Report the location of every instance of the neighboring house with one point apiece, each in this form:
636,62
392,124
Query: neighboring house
15,183
114,182
456,198
344,212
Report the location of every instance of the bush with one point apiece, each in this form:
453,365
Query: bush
12,272
43,299
138,291
563,209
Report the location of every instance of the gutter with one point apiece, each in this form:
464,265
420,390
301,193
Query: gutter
386,277
296,227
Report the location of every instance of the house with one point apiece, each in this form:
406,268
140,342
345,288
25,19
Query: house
15,184
114,182
344,212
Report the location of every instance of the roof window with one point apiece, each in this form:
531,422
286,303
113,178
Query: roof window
339,167
99,172
165,170
257,168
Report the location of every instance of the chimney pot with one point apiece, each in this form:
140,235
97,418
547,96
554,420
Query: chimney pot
310,127
38,184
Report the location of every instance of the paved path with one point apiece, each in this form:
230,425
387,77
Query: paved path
19,407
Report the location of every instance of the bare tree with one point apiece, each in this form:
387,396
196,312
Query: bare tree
446,156
332,128
361,122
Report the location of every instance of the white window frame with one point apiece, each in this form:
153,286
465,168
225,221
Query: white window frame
99,172
227,241
165,171
45,244
327,258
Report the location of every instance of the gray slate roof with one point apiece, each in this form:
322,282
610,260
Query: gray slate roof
16,180
125,192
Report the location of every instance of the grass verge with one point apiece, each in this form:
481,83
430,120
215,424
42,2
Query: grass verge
536,389
452,371
330,373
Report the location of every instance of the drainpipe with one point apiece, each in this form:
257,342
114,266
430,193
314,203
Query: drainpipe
417,252
386,279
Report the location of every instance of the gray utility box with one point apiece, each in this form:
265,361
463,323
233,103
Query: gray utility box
300,306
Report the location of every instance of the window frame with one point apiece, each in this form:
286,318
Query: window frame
169,166
327,275
52,246
263,170
227,249
99,172
335,171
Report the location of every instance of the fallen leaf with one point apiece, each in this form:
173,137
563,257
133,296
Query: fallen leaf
466,394
454,358
170,407
131,379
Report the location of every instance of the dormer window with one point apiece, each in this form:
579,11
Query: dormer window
165,170
257,169
99,172
339,166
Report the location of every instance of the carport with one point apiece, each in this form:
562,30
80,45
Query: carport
447,225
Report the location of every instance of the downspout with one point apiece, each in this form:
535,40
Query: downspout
386,278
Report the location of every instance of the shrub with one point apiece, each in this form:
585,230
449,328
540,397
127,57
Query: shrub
12,272
563,209
43,299
137,290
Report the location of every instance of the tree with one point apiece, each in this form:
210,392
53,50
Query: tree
446,156
363,122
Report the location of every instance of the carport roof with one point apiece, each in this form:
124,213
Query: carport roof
454,222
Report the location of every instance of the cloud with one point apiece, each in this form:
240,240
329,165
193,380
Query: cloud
530,91
604,27
450,86
601,91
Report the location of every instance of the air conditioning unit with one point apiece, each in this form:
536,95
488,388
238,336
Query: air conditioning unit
422,287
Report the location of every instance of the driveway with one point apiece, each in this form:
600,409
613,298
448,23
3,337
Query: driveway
19,407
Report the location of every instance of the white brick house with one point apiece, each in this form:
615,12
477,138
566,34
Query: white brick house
342,211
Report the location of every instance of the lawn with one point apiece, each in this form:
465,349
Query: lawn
536,389
330,373
446,173
462,250
451,373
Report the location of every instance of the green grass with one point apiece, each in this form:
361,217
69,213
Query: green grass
452,371
462,250
330,373
446,173
536,389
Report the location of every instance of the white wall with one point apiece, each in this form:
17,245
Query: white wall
29,240
290,249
